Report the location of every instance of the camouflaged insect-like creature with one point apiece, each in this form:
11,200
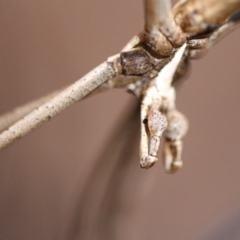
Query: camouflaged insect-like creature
136,61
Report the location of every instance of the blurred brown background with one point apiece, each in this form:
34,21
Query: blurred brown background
73,178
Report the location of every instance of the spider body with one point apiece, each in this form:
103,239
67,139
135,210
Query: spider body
147,67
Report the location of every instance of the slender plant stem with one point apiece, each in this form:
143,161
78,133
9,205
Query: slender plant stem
57,104
222,32
9,118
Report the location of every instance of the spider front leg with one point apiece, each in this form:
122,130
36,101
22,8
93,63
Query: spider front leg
172,150
161,34
153,123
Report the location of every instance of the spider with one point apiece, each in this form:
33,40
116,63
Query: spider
147,67
158,110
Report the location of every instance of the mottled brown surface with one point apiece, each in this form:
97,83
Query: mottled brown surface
45,186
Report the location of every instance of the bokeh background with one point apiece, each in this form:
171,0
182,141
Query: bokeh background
78,176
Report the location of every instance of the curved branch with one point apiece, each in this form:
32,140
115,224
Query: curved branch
221,32
57,104
9,118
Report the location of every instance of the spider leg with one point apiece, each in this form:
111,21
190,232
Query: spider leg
144,138
159,96
157,123
167,24
153,123
172,150
161,33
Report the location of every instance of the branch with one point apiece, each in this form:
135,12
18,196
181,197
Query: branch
9,118
220,33
57,104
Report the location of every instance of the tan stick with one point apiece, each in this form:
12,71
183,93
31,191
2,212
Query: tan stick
9,118
57,104
220,33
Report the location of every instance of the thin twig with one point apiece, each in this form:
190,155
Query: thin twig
220,33
9,118
57,104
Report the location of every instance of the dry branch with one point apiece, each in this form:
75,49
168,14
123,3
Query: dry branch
57,104
9,118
